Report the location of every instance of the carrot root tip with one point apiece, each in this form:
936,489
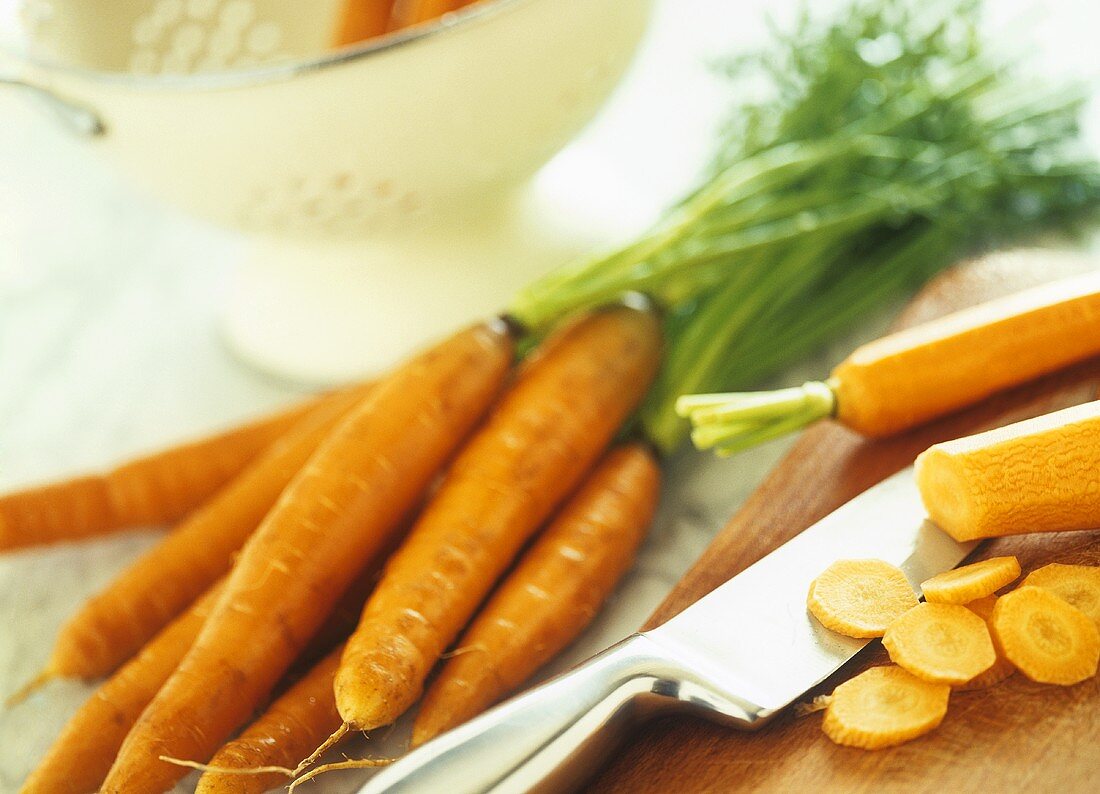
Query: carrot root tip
228,770
350,763
29,688
339,734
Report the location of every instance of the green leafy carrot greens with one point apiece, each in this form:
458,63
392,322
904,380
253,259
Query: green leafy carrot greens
891,142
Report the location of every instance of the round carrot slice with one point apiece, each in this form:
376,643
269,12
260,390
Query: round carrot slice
941,643
860,598
1002,669
1044,637
883,707
971,582
1077,585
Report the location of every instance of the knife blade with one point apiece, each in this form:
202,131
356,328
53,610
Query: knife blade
738,656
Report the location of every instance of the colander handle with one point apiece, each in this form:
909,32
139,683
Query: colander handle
76,117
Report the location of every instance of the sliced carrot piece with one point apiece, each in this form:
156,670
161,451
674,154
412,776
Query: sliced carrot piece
860,598
1077,585
941,643
883,707
1044,637
1002,668
971,582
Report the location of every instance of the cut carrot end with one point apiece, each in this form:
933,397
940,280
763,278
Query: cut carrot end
339,734
351,763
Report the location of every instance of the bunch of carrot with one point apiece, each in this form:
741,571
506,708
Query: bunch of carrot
457,459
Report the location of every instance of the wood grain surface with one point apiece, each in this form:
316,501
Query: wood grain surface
1018,736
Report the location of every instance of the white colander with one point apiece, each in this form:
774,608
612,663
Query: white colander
382,185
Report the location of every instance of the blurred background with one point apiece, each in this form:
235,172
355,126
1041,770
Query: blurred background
117,308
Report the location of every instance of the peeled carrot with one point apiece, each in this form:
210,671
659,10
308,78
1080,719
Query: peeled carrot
1033,476
156,489
883,707
362,20
914,375
553,593
860,598
535,448
114,624
83,752
337,514
282,736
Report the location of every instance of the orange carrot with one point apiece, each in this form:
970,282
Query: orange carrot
114,624
83,752
153,490
362,20
281,737
413,12
336,515
537,445
553,593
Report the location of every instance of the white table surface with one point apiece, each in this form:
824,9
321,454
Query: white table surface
109,336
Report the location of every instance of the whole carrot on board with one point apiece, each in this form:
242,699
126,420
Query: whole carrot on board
554,592
537,445
84,751
157,586
1038,475
153,490
918,374
338,513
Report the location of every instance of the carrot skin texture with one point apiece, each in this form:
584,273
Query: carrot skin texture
149,491
912,376
553,593
337,514
115,623
282,736
79,758
541,439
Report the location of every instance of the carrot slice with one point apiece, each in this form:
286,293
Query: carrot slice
1077,585
1044,637
553,593
83,752
971,582
340,511
1002,668
156,587
153,490
280,737
860,598
941,643
884,707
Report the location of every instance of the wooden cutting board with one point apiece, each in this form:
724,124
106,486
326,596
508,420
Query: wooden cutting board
1018,736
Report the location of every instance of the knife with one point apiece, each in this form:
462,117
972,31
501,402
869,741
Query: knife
737,656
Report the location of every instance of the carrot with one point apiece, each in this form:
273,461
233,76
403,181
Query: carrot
114,624
83,752
915,375
281,737
153,490
883,707
362,20
537,445
554,592
336,515
1033,476
413,12
860,598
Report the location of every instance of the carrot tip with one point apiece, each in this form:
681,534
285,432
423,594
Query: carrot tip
340,733
29,688
351,763
228,770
